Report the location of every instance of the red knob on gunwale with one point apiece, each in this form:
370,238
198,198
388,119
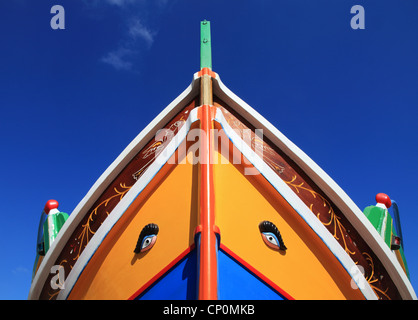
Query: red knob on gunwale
383,199
51,204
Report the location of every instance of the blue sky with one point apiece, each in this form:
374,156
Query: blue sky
71,100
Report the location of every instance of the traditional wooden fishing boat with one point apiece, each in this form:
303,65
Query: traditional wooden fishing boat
211,201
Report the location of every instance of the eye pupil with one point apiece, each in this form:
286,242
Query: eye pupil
271,235
147,242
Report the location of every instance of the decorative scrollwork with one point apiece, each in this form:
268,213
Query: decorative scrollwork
334,222
371,278
84,237
162,139
339,232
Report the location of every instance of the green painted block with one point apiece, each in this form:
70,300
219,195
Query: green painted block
375,216
56,221
205,45
382,221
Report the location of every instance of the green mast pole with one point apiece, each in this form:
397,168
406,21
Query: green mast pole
205,45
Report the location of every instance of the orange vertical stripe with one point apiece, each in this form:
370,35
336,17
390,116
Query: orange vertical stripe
208,282
206,71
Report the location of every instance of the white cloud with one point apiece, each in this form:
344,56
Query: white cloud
119,59
138,35
20,270
138,31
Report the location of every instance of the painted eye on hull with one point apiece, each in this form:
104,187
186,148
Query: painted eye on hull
147,238
271,235
270,239
148,242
